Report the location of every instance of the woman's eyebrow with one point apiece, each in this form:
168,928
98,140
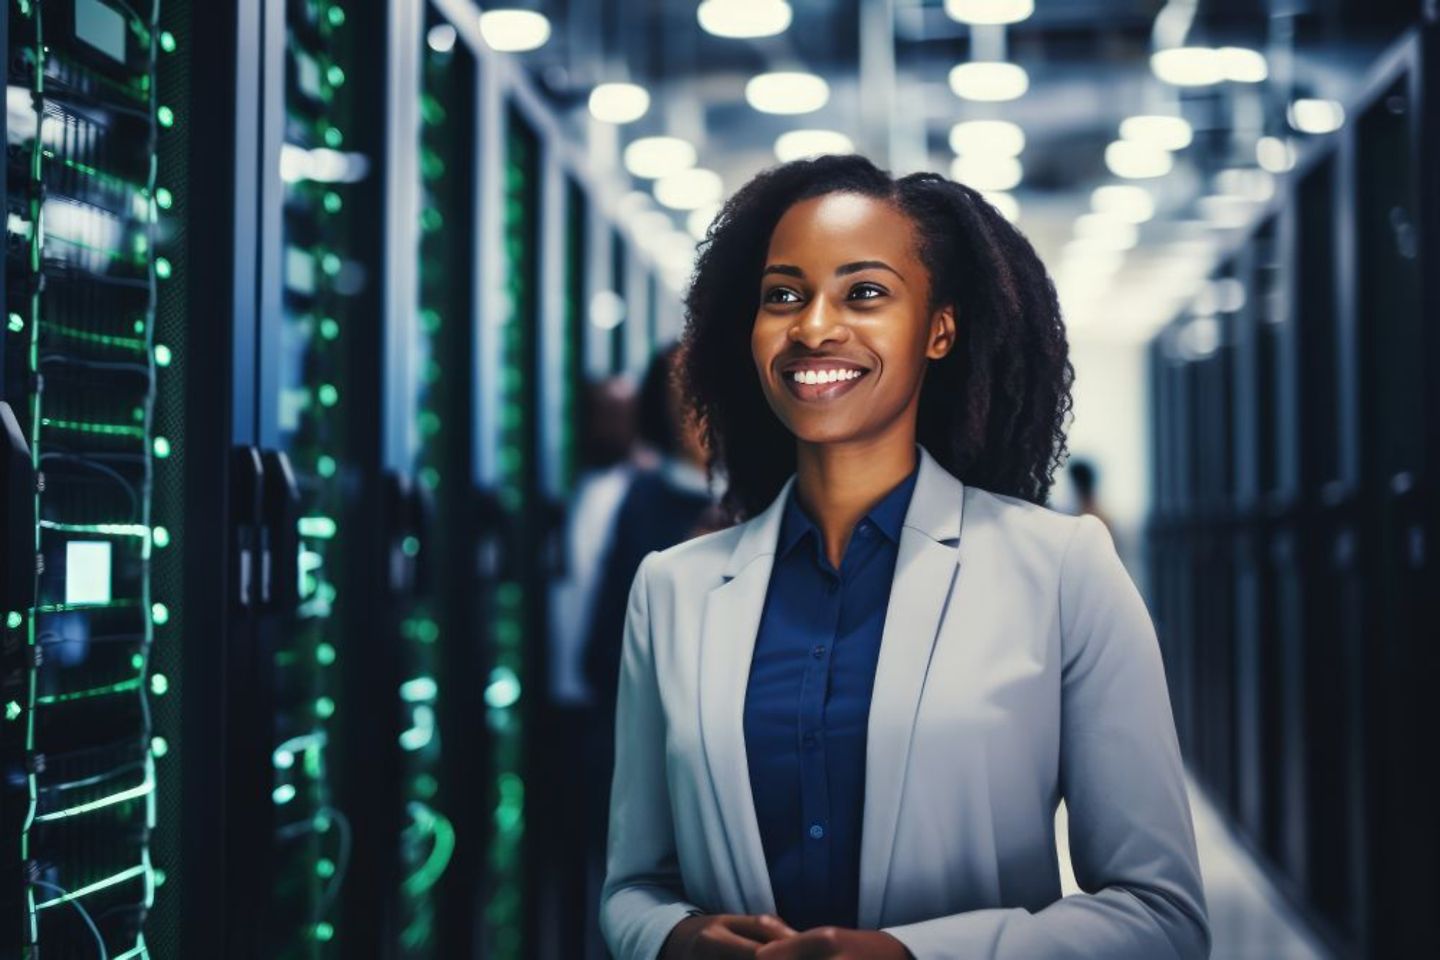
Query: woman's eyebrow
840,271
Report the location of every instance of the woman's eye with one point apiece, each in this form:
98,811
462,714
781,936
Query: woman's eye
878,291
770,297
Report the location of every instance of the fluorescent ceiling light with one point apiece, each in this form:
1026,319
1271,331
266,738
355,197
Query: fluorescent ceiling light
689,189
1008,206
656,157
991,137
787,92
1242,65
699,220
441,38
1135,161
990,80
1274,154
1188,66
798,144
989,11
987,173
743,19
1316,116
607,309
1106,232
618,102
514,31
1169,133
1127,202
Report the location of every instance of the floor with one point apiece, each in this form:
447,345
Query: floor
1248,919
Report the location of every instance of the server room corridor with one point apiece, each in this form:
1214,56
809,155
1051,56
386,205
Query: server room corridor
367,447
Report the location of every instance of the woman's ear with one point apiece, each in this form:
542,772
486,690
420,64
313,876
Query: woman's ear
942,332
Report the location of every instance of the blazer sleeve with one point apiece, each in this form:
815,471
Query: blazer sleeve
643,897
1132,840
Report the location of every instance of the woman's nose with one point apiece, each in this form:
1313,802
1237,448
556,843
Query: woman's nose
818,322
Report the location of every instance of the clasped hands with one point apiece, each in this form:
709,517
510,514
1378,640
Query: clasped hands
765,937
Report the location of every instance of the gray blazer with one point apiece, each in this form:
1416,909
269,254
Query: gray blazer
1018,665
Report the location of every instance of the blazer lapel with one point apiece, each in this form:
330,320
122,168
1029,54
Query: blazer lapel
925,570
727,641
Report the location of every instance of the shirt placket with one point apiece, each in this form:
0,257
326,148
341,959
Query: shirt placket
814,779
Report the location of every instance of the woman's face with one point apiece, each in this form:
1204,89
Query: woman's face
843,295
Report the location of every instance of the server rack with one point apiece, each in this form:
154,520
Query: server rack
1292,561
80,373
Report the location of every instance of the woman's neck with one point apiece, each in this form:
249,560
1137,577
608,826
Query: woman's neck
837,483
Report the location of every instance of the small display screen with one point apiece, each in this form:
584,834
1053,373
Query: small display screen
102,27
87,571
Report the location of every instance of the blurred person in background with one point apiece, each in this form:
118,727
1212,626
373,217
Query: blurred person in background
1084,478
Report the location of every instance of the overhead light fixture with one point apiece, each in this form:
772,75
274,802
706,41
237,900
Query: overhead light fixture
1006,203
990,137
1106,232
618,102
1188,66
656,157
689,189
743,19
1251,183
441,38
989,80
787,92
1309,115
699,220
1169,133
1134,160
1127,202
607,309
1275,154
1242,65
989,11
514,31
798,144
987,173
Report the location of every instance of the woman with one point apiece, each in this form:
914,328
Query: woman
845,723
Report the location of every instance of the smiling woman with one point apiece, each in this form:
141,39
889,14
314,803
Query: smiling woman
843,724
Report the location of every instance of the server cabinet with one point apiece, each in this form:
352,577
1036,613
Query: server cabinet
81,368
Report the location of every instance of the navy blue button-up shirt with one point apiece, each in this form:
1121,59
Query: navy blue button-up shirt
807,706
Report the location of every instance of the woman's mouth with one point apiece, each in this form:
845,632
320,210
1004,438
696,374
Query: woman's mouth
827,384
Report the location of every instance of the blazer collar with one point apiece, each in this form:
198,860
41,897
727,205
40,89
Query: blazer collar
926,565
934,510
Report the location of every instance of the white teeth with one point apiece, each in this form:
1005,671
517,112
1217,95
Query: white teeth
824,376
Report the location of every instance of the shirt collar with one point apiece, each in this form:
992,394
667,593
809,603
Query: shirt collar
888,515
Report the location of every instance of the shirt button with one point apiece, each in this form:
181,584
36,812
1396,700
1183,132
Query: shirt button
864,530
817,832
818,651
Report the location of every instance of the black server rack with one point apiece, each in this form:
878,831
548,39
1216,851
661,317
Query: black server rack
81,370
1295,515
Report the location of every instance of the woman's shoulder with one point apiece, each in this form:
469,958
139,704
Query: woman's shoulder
1014,525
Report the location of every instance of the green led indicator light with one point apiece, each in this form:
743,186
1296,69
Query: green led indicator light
410,546
426,786
330,263
163,198
324,932
429,478
13,619
162,447
337,16
431,220
166,116
324,708
160,537
325,465
429,423
325,654
137,414
335,75
159,613
333,137
430,320
167,41
329,328
325,868
332,202
328,394
159,684
162,270
12,710
137,661
284,793
321,528
17,322
504,689
159,746
159,876
162,355
140,325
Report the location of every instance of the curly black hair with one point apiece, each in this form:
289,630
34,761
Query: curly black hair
992,411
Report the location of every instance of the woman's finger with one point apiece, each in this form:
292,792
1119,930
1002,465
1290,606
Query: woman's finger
764,928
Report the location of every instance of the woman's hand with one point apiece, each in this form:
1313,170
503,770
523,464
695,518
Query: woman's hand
833,943
723,936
